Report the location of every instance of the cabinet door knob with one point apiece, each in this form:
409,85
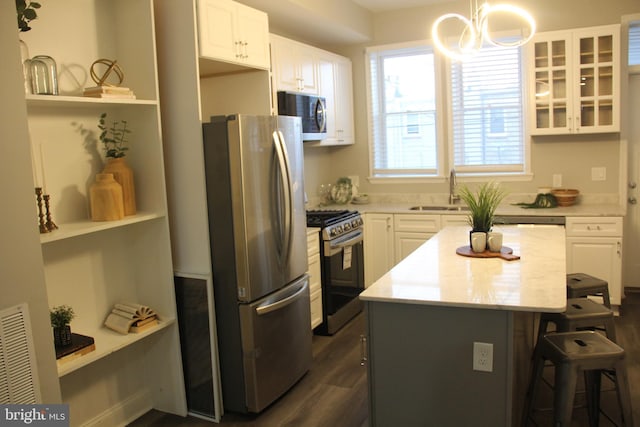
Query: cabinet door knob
632,200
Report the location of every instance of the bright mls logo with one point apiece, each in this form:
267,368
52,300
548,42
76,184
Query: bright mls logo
37,415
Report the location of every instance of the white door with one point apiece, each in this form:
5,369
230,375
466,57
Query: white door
631,263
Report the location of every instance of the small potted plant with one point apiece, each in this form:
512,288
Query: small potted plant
482,205
114,140
26,13
61,316
113,137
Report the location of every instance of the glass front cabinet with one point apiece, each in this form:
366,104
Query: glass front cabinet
574,81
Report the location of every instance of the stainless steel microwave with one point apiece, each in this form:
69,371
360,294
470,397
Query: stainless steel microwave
310,108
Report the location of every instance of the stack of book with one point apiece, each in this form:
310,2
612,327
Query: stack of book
109,92
80,344
126,317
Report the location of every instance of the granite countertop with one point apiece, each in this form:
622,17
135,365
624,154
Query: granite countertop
435,275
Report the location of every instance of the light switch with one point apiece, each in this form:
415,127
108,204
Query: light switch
599,174
557,180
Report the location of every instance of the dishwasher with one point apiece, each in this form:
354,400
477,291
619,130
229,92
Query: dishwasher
529,219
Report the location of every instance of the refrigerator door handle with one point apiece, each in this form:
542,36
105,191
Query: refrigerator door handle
285,175
269,306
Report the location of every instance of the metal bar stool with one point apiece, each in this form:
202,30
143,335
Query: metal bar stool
573,353
580,313
581,285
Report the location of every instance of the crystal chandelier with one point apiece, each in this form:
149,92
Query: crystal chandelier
476,29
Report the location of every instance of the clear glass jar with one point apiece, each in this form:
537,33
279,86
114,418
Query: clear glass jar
44,75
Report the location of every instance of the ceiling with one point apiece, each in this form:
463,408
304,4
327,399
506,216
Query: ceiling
386,5
329,22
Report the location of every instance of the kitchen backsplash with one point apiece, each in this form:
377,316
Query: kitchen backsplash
443,199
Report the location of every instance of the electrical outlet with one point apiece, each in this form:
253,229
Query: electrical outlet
483,356
557,180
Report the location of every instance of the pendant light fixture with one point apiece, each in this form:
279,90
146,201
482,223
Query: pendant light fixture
476,29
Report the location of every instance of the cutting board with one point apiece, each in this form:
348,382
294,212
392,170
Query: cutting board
505,253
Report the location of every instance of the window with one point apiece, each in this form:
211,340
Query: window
634,43
485,114
402,111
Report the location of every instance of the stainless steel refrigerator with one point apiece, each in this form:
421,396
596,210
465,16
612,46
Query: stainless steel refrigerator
257,226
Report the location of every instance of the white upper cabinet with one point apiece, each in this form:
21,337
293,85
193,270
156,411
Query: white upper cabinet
294,67
232,32
335,81
574,81
298,67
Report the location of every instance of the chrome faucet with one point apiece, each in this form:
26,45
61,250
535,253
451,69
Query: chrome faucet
453,197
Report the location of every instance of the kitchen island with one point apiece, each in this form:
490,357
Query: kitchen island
425,314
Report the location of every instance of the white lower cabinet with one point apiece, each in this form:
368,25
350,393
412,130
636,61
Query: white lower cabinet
411,231
378,246
453,220
594,247
315,278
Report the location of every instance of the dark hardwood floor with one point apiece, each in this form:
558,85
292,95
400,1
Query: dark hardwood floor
334,392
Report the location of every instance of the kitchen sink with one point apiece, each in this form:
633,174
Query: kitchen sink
439,208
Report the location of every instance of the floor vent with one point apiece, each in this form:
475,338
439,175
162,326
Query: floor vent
18,374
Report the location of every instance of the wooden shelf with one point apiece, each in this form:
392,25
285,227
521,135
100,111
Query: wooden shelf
66,231
60,101
107,342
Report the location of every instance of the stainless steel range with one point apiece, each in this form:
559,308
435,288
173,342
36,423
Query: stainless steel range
342,265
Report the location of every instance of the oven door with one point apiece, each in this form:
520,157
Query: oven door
342,276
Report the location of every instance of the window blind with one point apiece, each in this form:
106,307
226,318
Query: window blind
402,111
634,43
487,112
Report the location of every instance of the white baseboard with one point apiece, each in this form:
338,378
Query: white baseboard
125,411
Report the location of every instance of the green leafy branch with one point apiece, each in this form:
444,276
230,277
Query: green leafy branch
26,13
113,137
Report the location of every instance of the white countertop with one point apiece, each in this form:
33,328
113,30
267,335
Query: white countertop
505,209
435,275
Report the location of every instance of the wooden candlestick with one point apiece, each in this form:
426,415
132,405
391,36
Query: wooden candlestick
43,225
50,224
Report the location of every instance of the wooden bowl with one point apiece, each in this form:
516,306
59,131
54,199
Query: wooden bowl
565,196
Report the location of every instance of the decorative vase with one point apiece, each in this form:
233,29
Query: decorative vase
24,58
341,192
106,198
123,174
43,73
62,336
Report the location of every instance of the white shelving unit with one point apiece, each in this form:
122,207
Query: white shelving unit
92,265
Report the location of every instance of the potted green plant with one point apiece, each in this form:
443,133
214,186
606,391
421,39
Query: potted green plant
61,317
26,13
114,141
482,205
113,137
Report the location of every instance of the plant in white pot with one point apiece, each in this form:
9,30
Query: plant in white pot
61,317
482,205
